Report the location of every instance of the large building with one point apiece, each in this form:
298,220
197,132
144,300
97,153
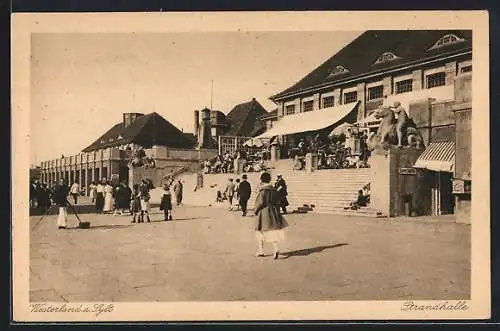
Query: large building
429,72
110,153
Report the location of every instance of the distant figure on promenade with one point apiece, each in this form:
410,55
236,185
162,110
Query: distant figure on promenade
166,203
93,191
108,198
135,204
230,192
34,188
178,188
123,196
75,191
61,200
44,198
145,197
236,187
281,188
269,223
244,192
99,198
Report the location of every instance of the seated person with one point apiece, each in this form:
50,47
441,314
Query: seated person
361,201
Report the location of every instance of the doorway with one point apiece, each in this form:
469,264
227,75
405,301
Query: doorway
443,202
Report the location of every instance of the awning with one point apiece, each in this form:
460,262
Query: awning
370,120
309,121
438,156
338,130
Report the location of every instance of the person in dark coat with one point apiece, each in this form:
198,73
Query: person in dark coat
269,223
44,198
123,195
178,192
281,188
166,202
244,193
61,200
135,204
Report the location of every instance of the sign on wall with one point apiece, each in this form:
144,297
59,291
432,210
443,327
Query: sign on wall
461,186
407,171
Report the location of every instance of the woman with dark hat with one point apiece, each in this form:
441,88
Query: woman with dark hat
269,222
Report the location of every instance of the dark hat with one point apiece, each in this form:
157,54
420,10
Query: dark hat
244,176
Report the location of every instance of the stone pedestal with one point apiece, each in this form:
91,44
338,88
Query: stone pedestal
393,179
275,153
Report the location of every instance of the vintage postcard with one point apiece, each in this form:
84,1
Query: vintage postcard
250,166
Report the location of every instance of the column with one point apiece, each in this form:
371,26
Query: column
337,100
450,71
316,101
387,82
417,80
361,97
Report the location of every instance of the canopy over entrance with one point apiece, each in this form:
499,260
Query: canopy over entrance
309,121
438,156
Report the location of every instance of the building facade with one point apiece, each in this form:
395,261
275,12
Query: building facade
428,72
109,155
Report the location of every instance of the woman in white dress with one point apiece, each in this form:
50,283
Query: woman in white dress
108,198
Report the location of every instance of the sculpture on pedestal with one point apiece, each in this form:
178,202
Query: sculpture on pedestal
140,159
400,131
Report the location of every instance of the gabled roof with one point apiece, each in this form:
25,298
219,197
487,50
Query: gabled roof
360,56
148,130
272,114
244,118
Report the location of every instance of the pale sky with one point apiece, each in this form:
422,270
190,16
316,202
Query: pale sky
81,84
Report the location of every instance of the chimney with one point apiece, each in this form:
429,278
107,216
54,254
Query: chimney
129,118
197,125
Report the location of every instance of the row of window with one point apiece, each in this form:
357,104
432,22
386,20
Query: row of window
377,92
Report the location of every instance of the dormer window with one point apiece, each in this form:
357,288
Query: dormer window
119,137
337,70
446,40
386,57
110,139
102,141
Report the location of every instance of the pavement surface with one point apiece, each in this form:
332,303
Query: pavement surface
207,254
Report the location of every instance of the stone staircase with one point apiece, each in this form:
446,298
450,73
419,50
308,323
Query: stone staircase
323,191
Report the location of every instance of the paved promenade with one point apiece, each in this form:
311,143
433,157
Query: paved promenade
208,254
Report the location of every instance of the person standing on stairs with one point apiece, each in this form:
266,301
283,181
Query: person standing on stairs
281,188
230,188
244,192
269,223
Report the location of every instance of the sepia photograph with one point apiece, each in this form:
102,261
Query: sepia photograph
224,167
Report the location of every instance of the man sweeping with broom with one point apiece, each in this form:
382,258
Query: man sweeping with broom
61,200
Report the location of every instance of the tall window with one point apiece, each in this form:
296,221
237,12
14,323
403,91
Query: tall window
437,79
376,92
307,106
404,86
290,110
350,97
328,102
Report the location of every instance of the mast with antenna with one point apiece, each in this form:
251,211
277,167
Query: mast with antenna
211,93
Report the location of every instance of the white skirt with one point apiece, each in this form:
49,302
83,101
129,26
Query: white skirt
271,235
145,205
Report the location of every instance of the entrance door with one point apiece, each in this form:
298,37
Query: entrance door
447,202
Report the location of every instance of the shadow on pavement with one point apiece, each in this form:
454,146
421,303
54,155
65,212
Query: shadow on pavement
182,219
103,227
309,251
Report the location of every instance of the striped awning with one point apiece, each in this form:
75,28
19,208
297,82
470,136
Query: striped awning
438,156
